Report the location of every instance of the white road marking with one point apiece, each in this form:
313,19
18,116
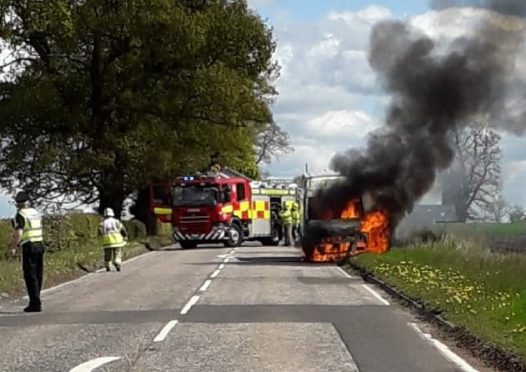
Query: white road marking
345,273
375,294
233,251
221,267
223,255
205,286
226,260
444,350
166,329
215,273
92,364
189,305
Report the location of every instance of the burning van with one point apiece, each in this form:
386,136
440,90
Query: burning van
332,235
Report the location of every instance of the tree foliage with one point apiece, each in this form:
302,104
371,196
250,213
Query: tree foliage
473,183
101,97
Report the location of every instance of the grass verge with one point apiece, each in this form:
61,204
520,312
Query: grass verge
70,263
479,290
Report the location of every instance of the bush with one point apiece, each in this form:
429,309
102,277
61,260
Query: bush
136,229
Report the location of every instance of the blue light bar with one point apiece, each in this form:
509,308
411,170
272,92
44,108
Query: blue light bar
186,178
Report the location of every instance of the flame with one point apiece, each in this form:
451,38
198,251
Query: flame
375,227
352,210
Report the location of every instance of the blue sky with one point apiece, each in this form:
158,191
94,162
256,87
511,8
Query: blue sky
312,9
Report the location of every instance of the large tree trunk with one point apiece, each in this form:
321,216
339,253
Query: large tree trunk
140,210
111,197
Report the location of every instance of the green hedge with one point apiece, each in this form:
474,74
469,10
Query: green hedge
63,232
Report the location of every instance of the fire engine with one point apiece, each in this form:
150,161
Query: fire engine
225,207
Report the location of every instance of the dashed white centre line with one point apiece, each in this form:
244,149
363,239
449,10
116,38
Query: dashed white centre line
189,305
226,260
215,274
205,286
375,294
93,364
458,361
164,332
232,251
221,267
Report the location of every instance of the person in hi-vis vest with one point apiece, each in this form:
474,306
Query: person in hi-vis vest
113,237
28,237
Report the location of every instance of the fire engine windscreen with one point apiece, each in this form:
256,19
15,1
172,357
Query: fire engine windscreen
196,195
436,86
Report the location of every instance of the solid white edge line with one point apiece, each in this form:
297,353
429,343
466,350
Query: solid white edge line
166,329
375,294
93,364
221,267
345,273
189,305
444,350
205,286
215,273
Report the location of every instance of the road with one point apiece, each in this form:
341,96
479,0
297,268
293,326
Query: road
218,309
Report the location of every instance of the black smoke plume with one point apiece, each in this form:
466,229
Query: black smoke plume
433,90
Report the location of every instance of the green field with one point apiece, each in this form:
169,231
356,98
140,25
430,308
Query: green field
488,230
483,291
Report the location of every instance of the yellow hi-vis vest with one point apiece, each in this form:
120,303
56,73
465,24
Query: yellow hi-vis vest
32,226
286,217
110,231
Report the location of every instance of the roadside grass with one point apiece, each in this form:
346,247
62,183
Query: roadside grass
482,291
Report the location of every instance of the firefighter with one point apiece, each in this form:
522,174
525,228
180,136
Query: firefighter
28,237
296,218
113,236
286,221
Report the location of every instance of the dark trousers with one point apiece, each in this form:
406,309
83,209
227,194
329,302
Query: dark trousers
33,266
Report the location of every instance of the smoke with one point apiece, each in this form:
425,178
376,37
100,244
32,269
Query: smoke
433,91
515,8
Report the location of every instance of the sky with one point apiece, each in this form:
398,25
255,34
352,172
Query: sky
329,98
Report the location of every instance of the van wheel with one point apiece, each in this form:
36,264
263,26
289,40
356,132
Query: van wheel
235,236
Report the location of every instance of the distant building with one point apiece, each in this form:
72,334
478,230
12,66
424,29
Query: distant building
424,216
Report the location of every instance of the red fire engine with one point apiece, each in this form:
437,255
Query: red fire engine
225,207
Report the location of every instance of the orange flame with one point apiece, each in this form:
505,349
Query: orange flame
375,226
352,210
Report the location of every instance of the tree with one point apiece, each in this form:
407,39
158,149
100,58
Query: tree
102,97
272,142
517,214
473,182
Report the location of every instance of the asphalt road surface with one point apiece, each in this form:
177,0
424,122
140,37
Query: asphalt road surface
218,309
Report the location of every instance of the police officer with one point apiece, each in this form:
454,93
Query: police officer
113,237
286,221
28,236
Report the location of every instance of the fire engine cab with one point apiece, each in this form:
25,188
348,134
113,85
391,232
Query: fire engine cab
225,207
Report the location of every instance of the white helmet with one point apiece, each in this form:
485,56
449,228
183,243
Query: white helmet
108,212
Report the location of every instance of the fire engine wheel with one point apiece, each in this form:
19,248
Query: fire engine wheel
236,236
188,244
275,237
